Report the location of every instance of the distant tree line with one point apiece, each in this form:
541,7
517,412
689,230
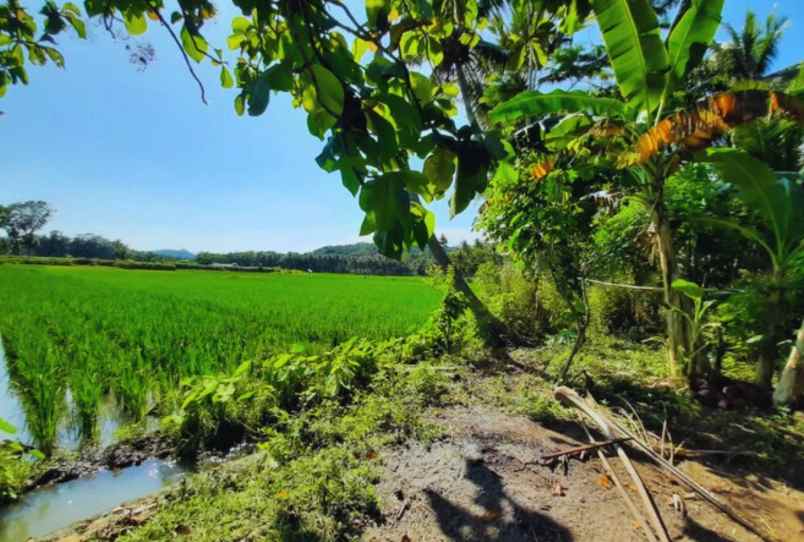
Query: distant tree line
21,222
329,261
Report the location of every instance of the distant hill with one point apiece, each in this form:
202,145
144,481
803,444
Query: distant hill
355,249
178,254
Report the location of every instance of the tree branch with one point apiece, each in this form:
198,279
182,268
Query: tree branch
183,54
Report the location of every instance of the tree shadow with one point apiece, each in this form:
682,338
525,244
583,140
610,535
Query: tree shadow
695,531
502,517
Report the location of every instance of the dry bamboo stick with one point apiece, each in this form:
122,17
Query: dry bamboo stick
605,427
629,503
570,395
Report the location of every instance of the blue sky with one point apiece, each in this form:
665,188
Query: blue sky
135,155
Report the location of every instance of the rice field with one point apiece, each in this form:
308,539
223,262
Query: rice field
76,336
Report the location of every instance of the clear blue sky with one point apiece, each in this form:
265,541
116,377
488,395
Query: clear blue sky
137,156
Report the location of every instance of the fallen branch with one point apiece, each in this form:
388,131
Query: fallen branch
565,394
621,490
585,448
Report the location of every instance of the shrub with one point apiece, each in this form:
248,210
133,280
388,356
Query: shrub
529,308
623,312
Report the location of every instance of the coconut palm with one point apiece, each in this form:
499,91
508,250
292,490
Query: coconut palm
752,50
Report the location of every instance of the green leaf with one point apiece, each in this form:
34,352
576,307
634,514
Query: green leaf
506,174
329,89
259,96
405,117
240,105
796,86
54,56
135,23
565,131
410,45
691,37
77,24
690,289
240,25
368,226
473,164
533,103
234,41
6,427
417,183
375,8
350,180
319,121
385,133
359,48
175,17
422,87
760,189
631,34
387,199
439,168
226,78
279,77
435,53
194,46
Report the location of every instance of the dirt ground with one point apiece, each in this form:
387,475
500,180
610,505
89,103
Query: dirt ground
481,483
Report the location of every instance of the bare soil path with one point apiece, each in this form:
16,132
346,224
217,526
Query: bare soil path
481,482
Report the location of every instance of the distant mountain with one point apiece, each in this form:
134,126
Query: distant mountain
177,254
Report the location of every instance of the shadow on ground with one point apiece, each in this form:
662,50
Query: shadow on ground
459,523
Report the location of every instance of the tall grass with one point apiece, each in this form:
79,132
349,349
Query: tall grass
134,335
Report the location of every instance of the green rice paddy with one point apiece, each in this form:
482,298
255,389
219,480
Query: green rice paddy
76,336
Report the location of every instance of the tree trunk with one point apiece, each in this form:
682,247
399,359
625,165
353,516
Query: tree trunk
790,388
769,352
676,328
463,85
491,328
580,338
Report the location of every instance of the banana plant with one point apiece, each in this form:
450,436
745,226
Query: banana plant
779,200
699,322
649,69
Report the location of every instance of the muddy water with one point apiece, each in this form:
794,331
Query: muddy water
45,510
68,436
50,508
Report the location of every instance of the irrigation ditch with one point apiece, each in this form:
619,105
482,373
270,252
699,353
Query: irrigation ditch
82,482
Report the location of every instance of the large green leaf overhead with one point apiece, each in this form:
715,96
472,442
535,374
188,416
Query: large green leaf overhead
634,45
534,103
777,200
692,35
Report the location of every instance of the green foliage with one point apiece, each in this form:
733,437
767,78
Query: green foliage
535,104
778,201
15,463
700,328
314,473
623,312
530,308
